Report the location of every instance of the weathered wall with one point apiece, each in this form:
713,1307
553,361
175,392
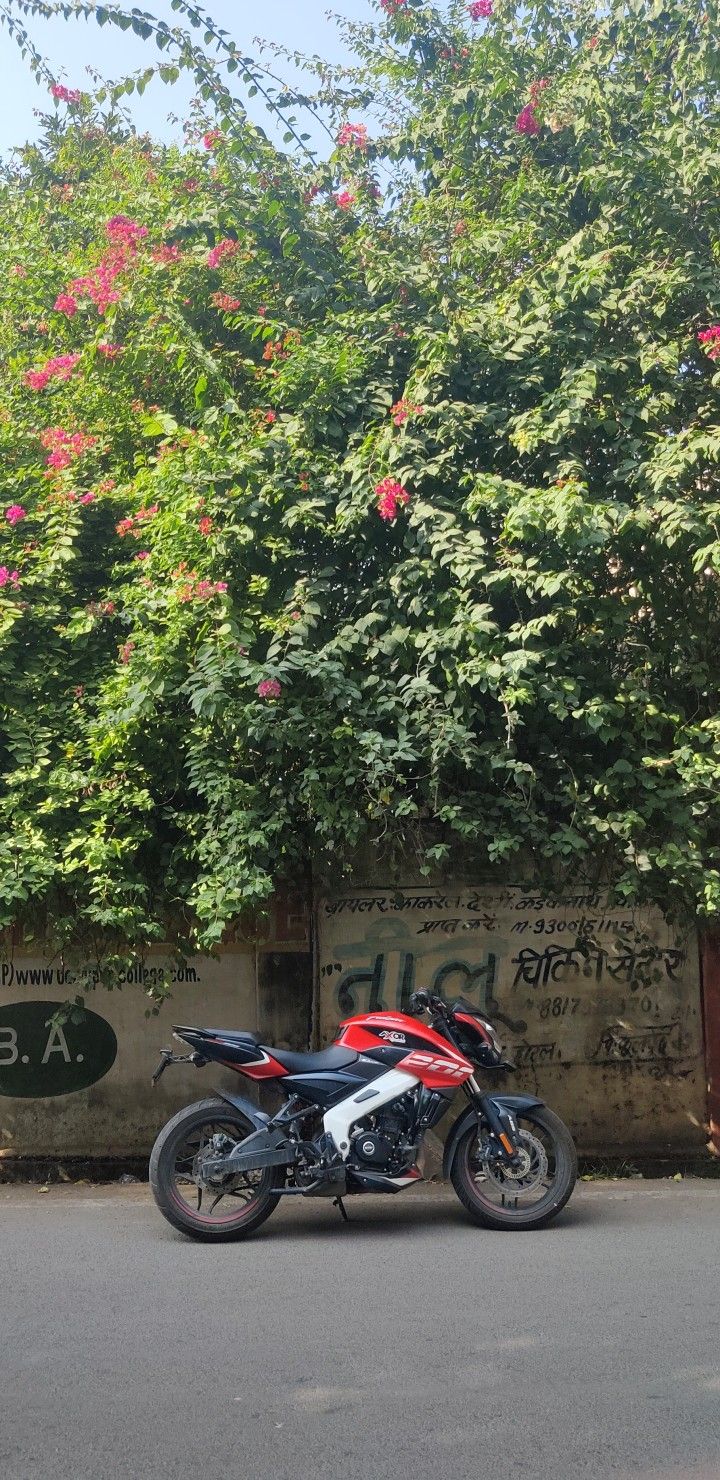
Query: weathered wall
42,1112
611,1039
614,1045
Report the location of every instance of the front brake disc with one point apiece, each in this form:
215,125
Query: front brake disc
531,1170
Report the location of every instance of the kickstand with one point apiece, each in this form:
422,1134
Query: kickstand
338,1203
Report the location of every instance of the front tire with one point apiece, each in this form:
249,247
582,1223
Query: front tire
173,1176
495,1198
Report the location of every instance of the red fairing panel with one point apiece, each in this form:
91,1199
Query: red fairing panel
372,1029
266,1068
475,1023
435,1070
429,1057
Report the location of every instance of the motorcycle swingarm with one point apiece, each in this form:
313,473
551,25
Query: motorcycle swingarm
264,1148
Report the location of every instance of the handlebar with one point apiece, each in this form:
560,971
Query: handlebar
426,1001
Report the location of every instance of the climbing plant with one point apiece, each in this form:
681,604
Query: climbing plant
363,497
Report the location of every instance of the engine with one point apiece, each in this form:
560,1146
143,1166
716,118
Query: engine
387,1141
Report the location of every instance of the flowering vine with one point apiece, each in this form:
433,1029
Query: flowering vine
391,497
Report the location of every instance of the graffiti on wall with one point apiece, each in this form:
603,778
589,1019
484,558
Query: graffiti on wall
571,980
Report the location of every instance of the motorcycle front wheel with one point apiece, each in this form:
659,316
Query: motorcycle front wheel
528,1196
209,1213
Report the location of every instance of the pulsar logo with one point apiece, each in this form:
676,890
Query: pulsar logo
394,1037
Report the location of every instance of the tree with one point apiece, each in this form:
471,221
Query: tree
370,500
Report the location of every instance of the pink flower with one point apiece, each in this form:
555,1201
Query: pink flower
125,651
63,447
110,351
166,254
212,137
88,498
393,7
225,302
98,285
15,513
270,417
345,199
459,228
269,688
143,555
310,193
391,496
354,134
403,409
711,337
224,249
480,10
65,303
537,88
9,577
18,270
526,121
65,94
205,525
200,590
59,368
124,232
262,310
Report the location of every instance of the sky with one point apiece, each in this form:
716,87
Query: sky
71,46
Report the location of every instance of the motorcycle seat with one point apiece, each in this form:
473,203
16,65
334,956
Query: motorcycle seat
226,1034
331,1058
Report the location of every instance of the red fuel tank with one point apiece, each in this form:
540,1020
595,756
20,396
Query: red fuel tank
428,1056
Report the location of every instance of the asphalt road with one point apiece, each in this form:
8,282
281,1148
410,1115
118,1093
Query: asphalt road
406,1344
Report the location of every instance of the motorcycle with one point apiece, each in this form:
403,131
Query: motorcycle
353,1120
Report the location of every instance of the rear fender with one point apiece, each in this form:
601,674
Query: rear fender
504,1104
258,1118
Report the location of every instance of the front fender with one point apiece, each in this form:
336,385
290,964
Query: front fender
258,1118
469,1118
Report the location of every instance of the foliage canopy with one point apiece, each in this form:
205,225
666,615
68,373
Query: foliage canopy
370,500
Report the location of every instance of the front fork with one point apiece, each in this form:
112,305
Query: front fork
504,1129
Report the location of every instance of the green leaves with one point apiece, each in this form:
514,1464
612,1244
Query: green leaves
521,661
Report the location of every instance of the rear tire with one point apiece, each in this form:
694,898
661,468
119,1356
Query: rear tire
467,1177
185,1128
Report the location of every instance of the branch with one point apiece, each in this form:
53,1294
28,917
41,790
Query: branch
190,56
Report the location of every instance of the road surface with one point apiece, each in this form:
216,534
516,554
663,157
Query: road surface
406,1344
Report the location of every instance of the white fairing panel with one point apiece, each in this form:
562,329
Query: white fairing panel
365,1101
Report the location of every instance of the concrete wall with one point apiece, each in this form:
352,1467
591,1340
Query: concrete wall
43,1112
612,1040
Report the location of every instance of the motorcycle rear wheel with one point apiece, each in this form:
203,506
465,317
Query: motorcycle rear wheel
173,1168
496,1198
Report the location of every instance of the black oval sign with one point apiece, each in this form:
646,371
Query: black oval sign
38,1059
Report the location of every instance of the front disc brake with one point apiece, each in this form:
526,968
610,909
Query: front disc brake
531,1169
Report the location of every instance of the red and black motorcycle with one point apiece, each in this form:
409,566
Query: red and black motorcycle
353,1119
